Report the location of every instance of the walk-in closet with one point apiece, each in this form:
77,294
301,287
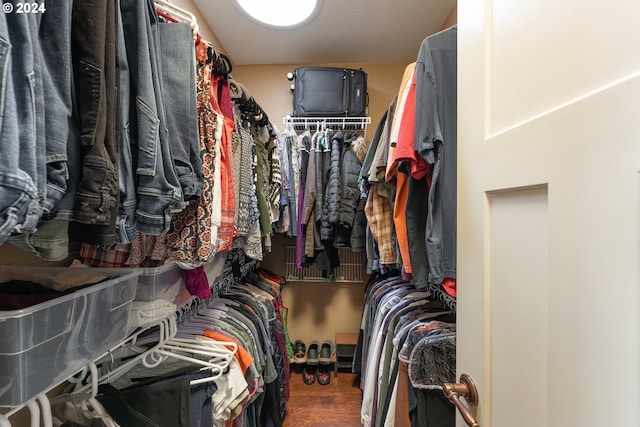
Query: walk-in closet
338,214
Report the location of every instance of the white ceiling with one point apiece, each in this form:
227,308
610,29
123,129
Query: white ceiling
343,31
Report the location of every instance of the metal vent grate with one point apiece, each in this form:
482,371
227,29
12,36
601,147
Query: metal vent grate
351,267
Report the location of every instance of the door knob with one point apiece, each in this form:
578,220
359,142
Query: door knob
465,388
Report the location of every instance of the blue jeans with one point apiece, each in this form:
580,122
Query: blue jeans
179,93
158,190
37,156
125,224
54,49
19,206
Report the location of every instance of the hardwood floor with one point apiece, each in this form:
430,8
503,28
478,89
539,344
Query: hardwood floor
336,404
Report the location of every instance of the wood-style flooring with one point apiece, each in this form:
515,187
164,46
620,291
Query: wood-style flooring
336,404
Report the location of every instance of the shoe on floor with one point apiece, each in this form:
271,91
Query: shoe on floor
326,352
309,374
299,352
324,374
313,352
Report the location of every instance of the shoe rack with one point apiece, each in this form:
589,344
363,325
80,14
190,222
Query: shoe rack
345,350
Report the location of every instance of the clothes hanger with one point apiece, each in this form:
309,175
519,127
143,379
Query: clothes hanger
4,421
219,356
222,65
436,339
243,292
163,349
114,374
178,12
83,401
174,13
226,350
40,407
34,410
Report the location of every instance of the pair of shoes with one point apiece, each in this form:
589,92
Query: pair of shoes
319,359
299,352
325,359
327,351
324,374
309,374
313,353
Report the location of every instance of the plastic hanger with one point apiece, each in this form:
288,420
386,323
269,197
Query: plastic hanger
114,374
83,400
34,409
45,406
4,421
40,406
219,355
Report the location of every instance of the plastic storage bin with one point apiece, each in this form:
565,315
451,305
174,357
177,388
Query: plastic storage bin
157,294
153,282
42,345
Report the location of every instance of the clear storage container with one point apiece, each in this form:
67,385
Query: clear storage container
42,345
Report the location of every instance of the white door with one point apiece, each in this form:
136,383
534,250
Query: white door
548,211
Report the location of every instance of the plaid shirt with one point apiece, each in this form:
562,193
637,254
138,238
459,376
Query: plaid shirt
105,256
380,218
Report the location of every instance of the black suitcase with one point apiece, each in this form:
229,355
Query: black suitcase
329,91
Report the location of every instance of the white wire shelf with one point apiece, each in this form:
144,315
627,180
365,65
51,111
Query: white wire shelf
350,269
319,123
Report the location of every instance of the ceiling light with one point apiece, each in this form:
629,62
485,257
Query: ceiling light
280,13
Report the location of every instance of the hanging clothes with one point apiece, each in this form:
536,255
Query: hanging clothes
221,100
435,140
120,165
379,207
393,308
403,123
189,237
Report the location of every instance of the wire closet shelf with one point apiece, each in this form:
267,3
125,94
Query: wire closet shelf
319,123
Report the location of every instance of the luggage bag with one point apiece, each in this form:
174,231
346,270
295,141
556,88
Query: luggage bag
329,91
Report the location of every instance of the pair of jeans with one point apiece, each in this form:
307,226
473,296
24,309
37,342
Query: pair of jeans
158,189
179,94
55,132
126,222
20,209
96,69
60,130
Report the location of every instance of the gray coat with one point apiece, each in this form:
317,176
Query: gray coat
349,192
332,188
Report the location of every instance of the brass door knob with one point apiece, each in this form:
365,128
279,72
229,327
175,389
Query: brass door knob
465,388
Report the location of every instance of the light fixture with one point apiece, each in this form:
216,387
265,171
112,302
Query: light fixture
280,13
